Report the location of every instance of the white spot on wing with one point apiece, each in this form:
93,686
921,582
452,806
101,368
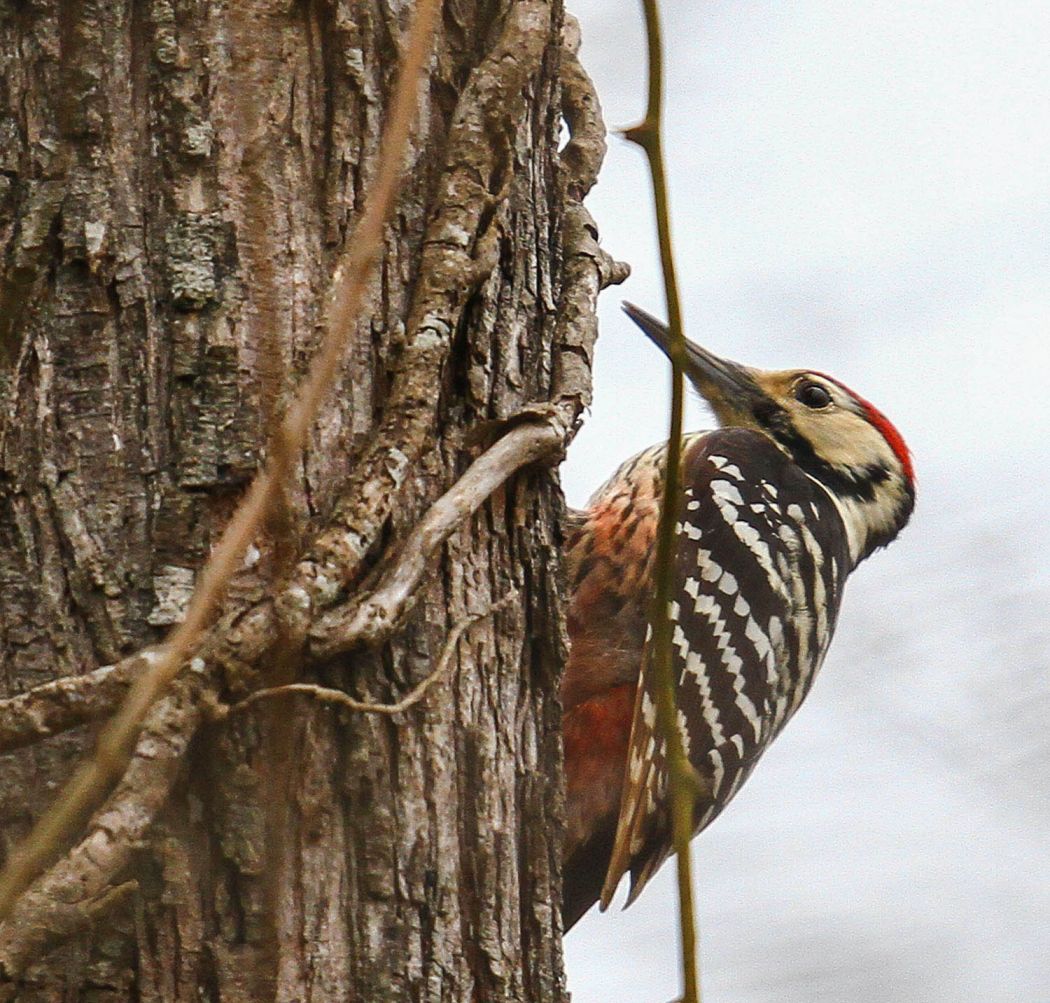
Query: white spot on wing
719,769
710,569
729,512
649,709
723,489
683,731
687,529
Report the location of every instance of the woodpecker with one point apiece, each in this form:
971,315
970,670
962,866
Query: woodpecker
803,480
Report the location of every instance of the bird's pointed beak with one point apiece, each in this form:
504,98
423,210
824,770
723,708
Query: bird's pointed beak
727,386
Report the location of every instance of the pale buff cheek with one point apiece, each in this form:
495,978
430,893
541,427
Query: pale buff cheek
844,439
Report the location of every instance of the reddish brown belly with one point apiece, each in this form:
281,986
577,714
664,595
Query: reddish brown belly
596,733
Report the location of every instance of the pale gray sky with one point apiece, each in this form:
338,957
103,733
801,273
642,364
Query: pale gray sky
865,189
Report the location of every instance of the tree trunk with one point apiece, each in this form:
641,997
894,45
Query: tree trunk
177,180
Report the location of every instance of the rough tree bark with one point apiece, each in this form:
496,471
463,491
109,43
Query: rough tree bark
176,180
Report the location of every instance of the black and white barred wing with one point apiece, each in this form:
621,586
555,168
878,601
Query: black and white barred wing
756,589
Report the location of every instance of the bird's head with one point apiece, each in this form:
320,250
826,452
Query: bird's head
835,436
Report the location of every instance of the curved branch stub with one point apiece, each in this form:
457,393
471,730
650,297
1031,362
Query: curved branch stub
581,157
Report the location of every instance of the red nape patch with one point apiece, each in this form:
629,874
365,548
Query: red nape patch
884,425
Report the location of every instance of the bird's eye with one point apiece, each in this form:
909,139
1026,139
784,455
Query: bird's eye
812,395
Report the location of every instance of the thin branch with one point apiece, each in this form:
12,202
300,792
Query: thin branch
328,695
378,615
65,703
54,828
681,777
